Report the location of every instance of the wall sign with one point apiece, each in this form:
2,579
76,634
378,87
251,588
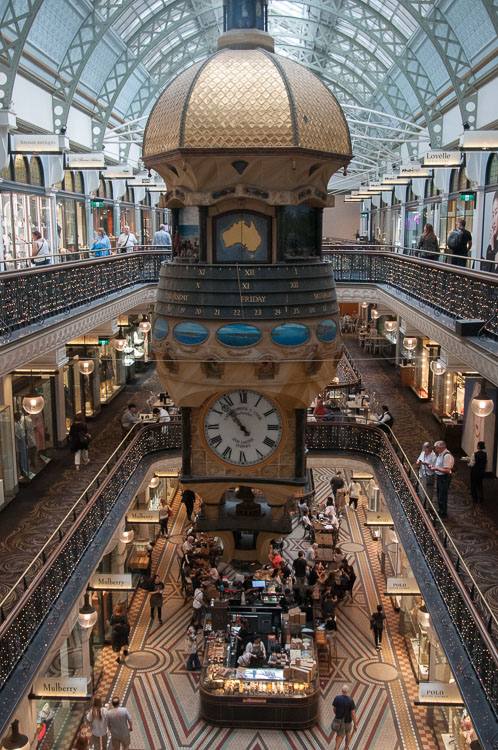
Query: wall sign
119,172
35,144
402,587
442,159
60,687
92,160
110,581
414,170
143,516
381,518
438,694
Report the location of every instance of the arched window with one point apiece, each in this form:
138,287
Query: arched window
410,195
108,189
68,181
78,182
454,181
492,170
459,180
128,196
21,169
6,173
101,189
396,201
431,191
36,171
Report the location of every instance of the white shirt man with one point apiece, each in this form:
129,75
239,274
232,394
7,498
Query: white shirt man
161,415
443,467
310,555
162,237
188,546
126,241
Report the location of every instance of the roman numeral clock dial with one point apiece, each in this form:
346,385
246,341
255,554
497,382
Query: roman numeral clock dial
243,428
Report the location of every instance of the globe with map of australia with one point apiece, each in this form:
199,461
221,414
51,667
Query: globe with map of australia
241,237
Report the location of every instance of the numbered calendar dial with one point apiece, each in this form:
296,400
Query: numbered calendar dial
243,427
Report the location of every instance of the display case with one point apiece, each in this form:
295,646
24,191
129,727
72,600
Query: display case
282,693
7,464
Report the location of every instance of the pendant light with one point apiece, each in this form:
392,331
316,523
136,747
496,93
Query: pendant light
86,366
364,305
144,324
409,343
154,482
482,407
375,314
15,740
33,403
119,342
390,326
437,367
126,536
87,616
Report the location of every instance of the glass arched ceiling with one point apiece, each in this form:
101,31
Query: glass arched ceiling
112,58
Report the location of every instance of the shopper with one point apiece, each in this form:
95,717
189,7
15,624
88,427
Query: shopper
377,625
426,459
428,244
345,716
97,719
302,507
101,245
156,598
165,513
459,244
354,494
192,649
161,414
41,250
120,633
198,605
81,742
443,466
79,439
188,499
477,471
126,241
331,631
385,420
130,417
337,482
162,238
300,565
242,637
311,554
120,725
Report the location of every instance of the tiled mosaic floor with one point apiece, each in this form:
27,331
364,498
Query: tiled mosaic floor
162,696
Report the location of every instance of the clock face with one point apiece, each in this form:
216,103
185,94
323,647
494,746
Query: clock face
242,427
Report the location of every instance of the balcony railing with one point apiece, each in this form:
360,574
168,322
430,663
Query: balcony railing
57,566
36,296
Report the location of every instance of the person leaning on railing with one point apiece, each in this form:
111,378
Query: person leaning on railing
41,250
428,243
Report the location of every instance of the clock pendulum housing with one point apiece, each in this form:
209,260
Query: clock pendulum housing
246,329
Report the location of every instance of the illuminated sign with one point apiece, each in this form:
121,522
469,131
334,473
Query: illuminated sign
442,159
143,516
379,518
92,160
111,581
438,694
402,587
36,144
60,687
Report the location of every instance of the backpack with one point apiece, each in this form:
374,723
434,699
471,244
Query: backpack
454,239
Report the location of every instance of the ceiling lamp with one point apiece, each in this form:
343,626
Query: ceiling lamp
482,407
86,366
437,367
137,353
119,342
144,324
126,536
15,740
154,482
390,326
33,403
87,616
375,314
409,343
364,305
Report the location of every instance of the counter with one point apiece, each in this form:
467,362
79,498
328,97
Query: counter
281,694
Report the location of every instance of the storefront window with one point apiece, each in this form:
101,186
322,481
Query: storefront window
36,171
66,224
128,218
103,216
490,223
35,434
7,467
147,230
21,169
111,371
21,214
413,228
72,392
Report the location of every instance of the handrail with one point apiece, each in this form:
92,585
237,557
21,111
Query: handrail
413,251
72,514
64,256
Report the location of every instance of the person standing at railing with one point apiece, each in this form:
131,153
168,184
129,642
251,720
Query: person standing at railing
426,459
41,254
443,466
102,244
126,241
428,244
460,243
162,238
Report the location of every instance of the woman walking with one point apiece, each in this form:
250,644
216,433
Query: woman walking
156,598
477,471
97,718
428,244
120,632
79,439
377,625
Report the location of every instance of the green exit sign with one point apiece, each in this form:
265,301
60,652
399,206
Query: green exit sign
97,204
467,197
103,342
364,215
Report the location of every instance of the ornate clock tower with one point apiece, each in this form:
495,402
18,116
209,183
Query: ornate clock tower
246,324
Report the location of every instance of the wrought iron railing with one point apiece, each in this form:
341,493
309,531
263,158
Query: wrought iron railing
446,290
36,295
466,608
45,584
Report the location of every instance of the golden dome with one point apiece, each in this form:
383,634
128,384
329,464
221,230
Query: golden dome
242,99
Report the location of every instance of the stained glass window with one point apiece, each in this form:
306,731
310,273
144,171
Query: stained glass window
36,170
492,170
21,169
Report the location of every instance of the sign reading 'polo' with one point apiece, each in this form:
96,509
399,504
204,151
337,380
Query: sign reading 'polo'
60,687
143,516
438,694
111,581
379,518
402,587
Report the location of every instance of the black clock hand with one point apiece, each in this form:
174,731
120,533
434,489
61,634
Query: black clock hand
235,419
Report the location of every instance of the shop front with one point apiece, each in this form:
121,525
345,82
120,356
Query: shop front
103,210
90,391
455,208
71,217
35,434
25,207
7,460
413,220
73,392
127,212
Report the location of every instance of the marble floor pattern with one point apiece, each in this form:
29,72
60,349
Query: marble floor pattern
163,697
